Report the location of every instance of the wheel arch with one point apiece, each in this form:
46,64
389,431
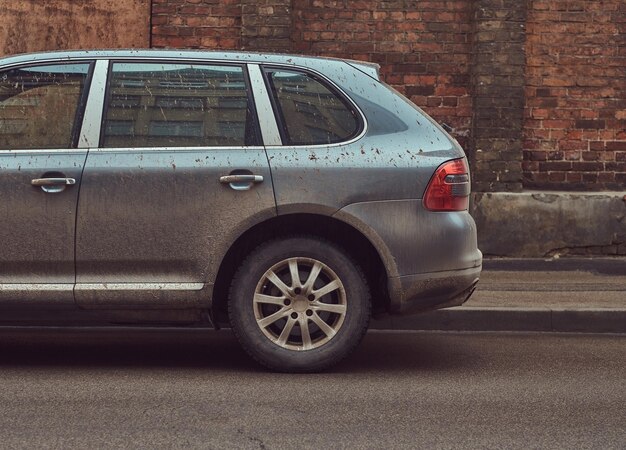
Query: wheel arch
339,232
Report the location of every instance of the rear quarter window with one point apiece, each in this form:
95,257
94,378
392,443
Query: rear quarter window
309,110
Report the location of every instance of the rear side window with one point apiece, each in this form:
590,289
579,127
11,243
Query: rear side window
310,111
39,106
177,105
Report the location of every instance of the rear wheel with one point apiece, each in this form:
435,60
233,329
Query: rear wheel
299,304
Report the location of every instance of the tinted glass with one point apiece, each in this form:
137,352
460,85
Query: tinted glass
310,111
177,105
38,105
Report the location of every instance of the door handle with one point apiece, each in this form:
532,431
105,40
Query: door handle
241,179
53,181
241,182
53,185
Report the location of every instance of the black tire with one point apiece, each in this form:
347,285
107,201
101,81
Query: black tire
333,310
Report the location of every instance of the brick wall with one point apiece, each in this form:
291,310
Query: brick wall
266,25
423,47
575,126
263,25
535,90
196,23
498,92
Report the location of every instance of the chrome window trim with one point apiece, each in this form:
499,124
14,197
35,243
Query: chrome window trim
38,62
139,286
36,287
92,117
115,58
172,149
43,151
265,112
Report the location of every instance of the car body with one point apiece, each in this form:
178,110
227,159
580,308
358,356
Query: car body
136,183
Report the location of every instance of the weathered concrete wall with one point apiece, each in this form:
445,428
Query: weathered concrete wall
540,224
36,25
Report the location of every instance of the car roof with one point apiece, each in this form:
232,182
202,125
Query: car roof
247,57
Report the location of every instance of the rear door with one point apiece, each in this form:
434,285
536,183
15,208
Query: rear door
40,171
179,172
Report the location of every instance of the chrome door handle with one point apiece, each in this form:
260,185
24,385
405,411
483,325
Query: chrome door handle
241,179
53,181
53,185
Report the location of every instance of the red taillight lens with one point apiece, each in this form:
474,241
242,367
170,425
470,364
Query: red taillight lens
449,188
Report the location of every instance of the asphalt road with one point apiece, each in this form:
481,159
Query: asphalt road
147,389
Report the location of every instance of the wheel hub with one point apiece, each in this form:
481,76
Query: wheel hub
300,303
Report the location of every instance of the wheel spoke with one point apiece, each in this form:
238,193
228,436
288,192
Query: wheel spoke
284,335
270,300
267,321
338,309
330,287
315,271
295,275
306,334
328,331
278,283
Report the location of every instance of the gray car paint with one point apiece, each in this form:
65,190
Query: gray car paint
153,223
37,228
376,183
373,183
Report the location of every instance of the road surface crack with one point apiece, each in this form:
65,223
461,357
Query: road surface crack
253,439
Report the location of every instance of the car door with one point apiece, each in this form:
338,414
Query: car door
179,173
40,172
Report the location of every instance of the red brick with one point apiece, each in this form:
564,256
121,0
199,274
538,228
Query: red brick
616,145
556,124
587,166
556,176
574,177
590,177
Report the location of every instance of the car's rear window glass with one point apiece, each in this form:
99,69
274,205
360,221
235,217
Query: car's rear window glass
177,105
309,110
39,105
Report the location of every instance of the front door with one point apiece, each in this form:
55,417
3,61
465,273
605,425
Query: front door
40,173
155,209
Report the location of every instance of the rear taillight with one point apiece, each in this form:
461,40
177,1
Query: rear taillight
449,188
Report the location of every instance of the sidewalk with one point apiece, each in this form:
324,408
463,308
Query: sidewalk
567,294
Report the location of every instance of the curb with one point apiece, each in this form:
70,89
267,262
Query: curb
509,319
600,265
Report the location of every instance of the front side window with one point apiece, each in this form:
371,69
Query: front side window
177,105
310,111
39,106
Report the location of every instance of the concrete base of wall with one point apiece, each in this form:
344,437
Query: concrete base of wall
550,224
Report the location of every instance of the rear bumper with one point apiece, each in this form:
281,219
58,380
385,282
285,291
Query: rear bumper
422,292
431,258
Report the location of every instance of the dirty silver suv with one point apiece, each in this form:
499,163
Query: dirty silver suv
286,196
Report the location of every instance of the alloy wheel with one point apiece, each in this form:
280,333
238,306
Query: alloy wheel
300,303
